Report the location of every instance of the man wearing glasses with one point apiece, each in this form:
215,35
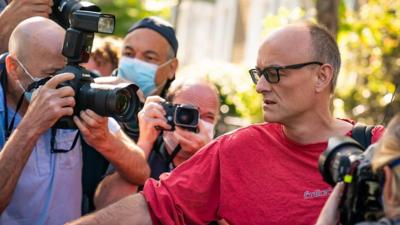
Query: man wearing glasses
265,173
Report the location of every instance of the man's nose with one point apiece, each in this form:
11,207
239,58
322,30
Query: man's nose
263,85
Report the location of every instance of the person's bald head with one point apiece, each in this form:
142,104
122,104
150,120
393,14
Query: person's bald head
303,42
36,37
37,44
198,92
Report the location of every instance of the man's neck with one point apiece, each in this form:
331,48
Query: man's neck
315,128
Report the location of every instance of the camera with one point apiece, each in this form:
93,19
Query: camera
82,20
345,160
182,115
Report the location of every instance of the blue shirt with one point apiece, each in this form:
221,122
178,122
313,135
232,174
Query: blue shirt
3,4
49,190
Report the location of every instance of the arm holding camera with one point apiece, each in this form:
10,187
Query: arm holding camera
151,116
47,106
330,212
116,147
191,141
18,10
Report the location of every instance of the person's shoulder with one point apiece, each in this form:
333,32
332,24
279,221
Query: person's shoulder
251,131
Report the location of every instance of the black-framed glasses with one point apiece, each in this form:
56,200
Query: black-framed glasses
271,73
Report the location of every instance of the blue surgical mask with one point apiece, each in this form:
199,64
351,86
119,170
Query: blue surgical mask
139,72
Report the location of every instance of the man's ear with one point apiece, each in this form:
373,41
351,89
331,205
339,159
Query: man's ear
12,66
324,77
172,67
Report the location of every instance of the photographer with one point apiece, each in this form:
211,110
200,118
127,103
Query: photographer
148,60
386,158
158,143
41,167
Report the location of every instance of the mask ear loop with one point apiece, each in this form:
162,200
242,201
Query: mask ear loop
32,86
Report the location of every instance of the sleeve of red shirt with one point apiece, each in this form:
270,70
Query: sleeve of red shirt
190,193
377,133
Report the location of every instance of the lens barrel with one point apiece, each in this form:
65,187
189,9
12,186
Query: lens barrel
336,161
119,102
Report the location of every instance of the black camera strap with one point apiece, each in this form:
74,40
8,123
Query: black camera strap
173,154
362,134
54,148
10,127
3,80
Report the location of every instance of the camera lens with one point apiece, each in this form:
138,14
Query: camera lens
336,161
122,102
185,116
119,102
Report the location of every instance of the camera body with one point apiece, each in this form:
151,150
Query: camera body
182,115
82,20
345,160
117,101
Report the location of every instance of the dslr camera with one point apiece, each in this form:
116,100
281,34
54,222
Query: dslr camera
345,160
82,20
182,115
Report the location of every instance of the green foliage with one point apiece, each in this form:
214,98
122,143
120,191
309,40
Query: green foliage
370,46
369,41
285,16
127,12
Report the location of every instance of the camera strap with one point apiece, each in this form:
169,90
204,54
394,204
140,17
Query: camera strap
53,143
10,127
3,80
173,154
362,134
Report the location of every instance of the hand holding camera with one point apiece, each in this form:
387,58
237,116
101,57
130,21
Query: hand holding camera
151,116
49,103
345,160
190,141
330,213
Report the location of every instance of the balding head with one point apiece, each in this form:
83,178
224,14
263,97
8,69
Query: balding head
291,42
197,92
36,36
304,42
35,50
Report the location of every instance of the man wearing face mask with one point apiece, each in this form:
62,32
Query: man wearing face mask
159,143
41,166
148,60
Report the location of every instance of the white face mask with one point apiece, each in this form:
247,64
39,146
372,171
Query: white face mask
209,128
171,142
28,95
32,78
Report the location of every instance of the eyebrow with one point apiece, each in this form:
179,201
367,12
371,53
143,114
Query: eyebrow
151,53
127,47
210,114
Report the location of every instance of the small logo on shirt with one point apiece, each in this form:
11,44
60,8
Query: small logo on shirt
317,193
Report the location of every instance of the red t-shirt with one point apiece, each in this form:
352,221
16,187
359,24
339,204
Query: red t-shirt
255,175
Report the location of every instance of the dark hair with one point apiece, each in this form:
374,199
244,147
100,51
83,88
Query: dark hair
325,49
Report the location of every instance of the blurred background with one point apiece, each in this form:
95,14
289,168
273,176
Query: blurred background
219,39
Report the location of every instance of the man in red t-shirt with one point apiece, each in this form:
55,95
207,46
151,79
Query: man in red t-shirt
265,173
